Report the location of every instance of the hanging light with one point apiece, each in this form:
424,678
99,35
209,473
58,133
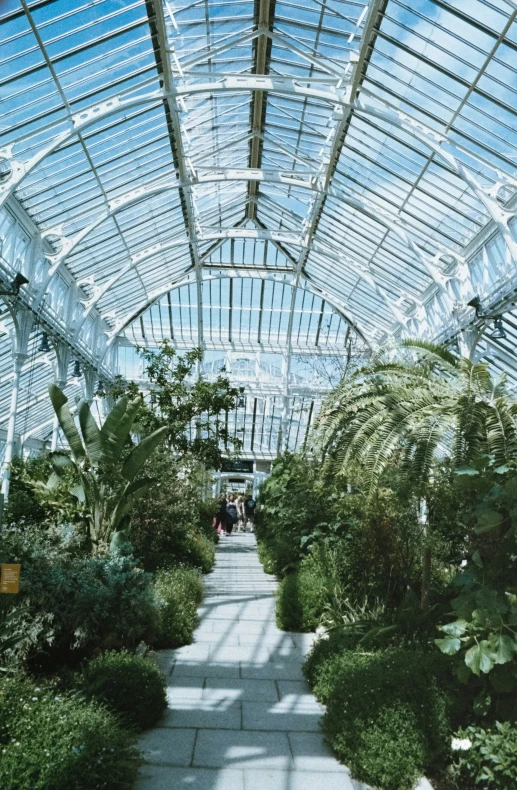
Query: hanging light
44,345
498,332
76,372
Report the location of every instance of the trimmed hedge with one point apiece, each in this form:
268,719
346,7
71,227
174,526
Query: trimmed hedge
386,716
179,591
128,685
303,595
289,611
58,742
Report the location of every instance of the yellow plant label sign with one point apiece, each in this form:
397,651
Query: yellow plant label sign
10,579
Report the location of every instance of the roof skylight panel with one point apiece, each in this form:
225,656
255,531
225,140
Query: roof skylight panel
489,134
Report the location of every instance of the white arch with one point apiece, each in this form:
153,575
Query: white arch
339,308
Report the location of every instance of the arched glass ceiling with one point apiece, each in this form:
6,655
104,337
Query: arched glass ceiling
244,313
357,153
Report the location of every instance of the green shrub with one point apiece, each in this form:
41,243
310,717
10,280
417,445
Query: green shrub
173,525
71,605
51,742
316,585
289,612
23,507
128,685
200,553
392,751
386,715
332,644
491,761
303,595
179,592
266,556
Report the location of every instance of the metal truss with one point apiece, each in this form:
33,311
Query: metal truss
340,94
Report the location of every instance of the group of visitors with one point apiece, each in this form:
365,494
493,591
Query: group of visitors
235,511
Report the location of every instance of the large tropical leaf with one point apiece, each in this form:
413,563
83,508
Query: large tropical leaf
415,402
60,462
66,422
117,428
132,492
139,454
91,433
110,428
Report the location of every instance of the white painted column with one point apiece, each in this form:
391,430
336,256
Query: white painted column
19,359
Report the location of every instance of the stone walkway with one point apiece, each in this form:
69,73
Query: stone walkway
240,715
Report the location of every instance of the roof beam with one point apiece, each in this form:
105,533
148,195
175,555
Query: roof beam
252,348
160,43
264,22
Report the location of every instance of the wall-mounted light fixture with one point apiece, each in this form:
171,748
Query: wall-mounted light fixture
77,372
499,331
14,290
44,345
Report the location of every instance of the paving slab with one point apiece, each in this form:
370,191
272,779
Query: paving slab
254,654
299,689
242,749
157,777
245,689
164,746
208,714
283,716
295,780
273,670
238,626
196,669
311,753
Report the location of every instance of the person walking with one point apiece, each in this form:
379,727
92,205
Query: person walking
240,513
249,511
232,517
222,515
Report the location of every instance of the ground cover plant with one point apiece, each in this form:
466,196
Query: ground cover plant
72,604
52,741
485,757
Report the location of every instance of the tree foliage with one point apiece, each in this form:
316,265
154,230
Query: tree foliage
184,406
420,402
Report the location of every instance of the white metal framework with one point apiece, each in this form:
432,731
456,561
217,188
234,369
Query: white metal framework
305,180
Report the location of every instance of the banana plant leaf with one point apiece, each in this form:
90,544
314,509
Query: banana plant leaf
120,432
60,462
91,434
139,454
110,429
66,422
130,494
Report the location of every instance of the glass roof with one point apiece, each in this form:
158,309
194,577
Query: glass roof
256,177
